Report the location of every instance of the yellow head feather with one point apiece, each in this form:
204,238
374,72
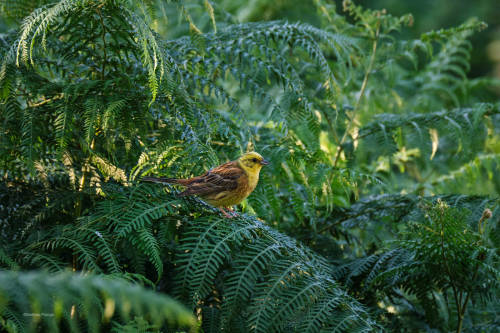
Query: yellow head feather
252,162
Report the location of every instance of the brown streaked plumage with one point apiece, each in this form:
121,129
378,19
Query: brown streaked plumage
225,185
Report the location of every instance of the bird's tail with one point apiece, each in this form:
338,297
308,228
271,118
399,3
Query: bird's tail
161,180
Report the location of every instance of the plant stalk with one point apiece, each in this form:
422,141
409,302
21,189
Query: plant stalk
361,94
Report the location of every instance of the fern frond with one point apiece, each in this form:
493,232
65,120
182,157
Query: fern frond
144,240
51,299
481,166
292,279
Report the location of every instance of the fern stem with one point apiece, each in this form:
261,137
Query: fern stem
450,276
85,170
340,147
486,215
103,43
461,315
332,128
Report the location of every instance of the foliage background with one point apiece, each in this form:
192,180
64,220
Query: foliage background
428,15
379,210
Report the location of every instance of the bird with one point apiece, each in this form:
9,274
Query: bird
223,186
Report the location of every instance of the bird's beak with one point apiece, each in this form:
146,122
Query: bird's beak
264,162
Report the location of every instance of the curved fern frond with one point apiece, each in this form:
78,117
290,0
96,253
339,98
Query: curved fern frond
275,291
74,300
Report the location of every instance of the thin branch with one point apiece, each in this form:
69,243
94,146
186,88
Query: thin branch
340,147
332,128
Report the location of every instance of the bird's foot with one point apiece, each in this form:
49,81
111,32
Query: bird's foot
225,213
233,212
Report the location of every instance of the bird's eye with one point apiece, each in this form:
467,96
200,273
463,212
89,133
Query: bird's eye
254,160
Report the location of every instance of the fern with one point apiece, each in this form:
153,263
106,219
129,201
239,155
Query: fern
74,301
360,121
249,252
278,279
439,254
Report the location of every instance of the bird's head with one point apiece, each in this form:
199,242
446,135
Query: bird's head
252,162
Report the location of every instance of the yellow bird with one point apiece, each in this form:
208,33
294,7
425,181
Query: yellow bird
223,186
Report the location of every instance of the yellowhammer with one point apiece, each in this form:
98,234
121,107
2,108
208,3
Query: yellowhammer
225,185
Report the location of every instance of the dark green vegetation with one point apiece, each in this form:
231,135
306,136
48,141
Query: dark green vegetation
379,210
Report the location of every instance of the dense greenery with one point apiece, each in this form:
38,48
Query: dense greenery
379,210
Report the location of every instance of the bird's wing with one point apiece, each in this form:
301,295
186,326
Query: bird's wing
220,179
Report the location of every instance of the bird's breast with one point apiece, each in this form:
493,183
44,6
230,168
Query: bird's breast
246,184
253,179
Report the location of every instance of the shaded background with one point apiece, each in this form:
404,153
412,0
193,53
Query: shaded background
428,15
437,14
